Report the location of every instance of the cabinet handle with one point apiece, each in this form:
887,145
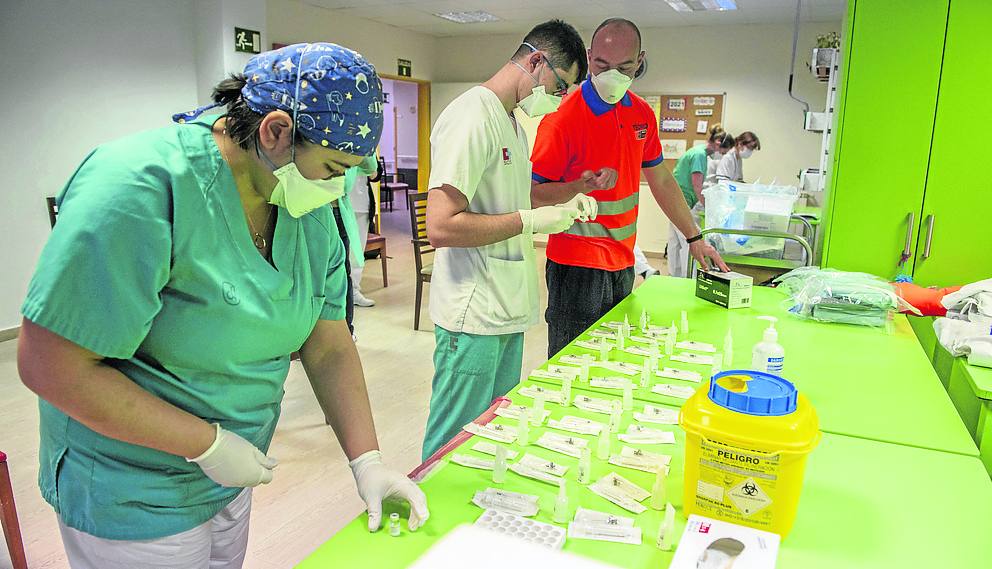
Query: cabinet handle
907,250
926,248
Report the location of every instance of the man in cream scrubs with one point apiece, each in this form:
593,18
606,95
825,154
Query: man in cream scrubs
483,293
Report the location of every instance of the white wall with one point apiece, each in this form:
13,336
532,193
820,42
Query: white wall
403,130
292,21
214,22
749,62
77,74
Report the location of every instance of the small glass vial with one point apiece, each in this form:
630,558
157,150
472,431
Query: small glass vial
394,524
523,427
603,444
615,412
537,414
584,373
628,395
560,514
566,391
604,350
585,466
684,329
499,465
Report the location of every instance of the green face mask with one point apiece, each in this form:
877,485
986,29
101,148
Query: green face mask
300,195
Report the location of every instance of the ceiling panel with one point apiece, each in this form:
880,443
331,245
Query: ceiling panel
518,16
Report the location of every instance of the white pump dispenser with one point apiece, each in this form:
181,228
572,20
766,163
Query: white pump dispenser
768,355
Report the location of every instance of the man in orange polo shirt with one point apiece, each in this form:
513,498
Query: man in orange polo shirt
599,142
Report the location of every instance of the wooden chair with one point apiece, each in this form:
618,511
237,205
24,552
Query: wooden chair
377,242
421,247
8,517
392,183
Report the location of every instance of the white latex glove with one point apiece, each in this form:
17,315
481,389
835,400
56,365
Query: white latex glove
377,483
587,207
234,462
549,219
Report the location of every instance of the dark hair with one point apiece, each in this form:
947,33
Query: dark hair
560,42
242,122
747,137
721,137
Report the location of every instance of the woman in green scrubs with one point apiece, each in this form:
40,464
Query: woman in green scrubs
186,265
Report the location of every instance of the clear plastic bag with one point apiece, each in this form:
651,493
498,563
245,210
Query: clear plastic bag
829,295
766,207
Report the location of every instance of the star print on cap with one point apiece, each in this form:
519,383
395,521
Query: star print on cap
335,92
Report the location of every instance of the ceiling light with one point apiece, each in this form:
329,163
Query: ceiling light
474,17
702,5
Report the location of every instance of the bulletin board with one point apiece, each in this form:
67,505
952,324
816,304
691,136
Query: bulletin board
684,120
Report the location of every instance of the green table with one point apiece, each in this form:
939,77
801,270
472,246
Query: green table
864,382
970,389
864,504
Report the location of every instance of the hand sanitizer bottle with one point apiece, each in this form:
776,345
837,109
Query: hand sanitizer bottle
768,355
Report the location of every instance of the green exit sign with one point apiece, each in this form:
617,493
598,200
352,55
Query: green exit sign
248,41
404,67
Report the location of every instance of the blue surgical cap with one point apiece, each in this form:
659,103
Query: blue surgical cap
333,93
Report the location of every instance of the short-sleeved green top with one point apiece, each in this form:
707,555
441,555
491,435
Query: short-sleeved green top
151,266
694,160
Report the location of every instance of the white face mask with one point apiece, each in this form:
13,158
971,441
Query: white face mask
539,102
611,85
301,195
747,152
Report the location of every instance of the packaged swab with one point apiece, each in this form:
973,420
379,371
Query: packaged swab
676,391
681,374
658,415
571,446
604,532
492,431
486,447
578,425
506,501
696,346
472,461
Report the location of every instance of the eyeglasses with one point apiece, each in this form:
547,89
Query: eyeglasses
560,84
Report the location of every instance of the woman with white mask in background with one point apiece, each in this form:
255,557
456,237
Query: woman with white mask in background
731,166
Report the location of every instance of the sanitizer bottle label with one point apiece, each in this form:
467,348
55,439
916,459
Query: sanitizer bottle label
775,365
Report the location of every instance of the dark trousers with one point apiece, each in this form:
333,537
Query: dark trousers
349,300
578,297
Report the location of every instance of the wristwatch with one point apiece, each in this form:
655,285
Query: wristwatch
694,239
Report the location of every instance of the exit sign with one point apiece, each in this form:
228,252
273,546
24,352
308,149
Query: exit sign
404,68
248,41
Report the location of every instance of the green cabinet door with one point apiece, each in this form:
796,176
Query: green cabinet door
888,104
957,209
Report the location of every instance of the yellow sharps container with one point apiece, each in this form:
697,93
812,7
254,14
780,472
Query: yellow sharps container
747,437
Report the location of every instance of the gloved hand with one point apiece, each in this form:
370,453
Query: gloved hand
376,483
588,207
549,219
234,462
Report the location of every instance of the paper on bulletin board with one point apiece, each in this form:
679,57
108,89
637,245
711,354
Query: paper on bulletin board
672,148
672,124
703,101
701,126
676,104
704,112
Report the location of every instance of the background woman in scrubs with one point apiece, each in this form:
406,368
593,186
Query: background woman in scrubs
731,166
186,265
690,171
